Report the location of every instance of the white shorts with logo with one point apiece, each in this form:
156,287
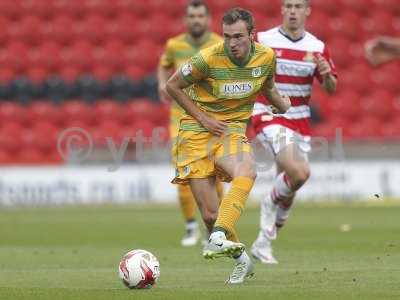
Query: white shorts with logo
277,137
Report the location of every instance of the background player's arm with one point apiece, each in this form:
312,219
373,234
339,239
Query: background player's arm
165,70
329,81
175,88
382,49
163,74
281,103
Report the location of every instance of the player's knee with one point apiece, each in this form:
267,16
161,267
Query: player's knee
248,170
300,175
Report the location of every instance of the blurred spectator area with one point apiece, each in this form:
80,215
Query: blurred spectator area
91,63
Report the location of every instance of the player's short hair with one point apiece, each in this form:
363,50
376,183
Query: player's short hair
236,14
198,3
306,1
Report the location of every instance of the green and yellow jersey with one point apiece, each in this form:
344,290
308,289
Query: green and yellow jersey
179,50
223,87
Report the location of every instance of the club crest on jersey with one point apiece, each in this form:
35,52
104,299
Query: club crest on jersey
278,53
236,89
256,72
309,57
187,69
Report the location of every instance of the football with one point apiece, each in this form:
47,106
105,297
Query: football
139,269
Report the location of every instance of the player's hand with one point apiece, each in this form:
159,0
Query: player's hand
214,126
285,106
322,65
163,94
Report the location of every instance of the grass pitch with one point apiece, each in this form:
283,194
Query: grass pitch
331,252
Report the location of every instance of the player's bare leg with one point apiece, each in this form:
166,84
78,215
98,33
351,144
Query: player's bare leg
205,193
293,171
188,207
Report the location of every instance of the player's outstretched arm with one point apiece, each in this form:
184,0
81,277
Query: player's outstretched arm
382,49
280,102
175,86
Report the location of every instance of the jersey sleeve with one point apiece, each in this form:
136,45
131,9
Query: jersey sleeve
327,56
167,58
195,69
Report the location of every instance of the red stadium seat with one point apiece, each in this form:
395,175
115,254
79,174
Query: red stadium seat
357,78
26,30
143,129
10,137
102,72
45,136
107,131
46,111
111,55
346,25
347,105
58,29
378,105
379,23
42,8
77,113
11,112
47,55
162,21
332,8
140,109
177,10
11,9
69,73
384,79
330,129
6,74
37,74
91,29
340,52
72,8
102,7
391,6
124,27
369,127
355,6
6,157
134,72
79,55
108,110
14,56
317,25
140,8
32,156
149,55
391,130
42,136
4,23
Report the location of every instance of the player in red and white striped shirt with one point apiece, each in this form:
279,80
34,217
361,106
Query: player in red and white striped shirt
300,58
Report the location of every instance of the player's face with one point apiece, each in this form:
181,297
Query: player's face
295,13
197,20
237,39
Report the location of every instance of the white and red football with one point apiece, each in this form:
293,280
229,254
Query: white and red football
139,269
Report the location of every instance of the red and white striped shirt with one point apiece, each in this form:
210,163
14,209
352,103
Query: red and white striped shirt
295,72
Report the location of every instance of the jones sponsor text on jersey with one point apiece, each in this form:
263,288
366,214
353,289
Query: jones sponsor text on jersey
236,89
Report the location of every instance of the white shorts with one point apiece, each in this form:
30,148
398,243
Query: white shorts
277,137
